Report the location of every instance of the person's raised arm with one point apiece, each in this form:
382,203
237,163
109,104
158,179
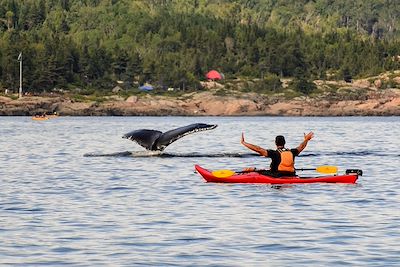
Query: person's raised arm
307,137
255,148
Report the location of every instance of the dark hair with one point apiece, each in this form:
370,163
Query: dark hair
280,140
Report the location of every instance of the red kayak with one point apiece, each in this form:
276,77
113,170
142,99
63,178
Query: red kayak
350,177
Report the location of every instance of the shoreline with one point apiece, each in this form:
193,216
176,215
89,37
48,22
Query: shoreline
207,103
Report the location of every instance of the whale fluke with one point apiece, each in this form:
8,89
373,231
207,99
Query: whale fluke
157,141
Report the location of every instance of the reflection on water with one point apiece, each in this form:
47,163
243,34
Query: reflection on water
146,154
107,208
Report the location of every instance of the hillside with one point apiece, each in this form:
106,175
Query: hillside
93,44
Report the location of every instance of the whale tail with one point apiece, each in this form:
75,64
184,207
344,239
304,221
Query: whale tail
157,141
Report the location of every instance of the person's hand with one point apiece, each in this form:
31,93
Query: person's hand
242,139
309,136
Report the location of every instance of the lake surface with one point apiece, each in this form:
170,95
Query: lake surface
71,194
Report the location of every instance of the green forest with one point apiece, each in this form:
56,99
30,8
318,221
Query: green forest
92,44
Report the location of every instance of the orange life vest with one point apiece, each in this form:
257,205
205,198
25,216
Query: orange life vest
287,161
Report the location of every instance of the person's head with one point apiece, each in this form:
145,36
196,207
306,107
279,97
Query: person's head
280,141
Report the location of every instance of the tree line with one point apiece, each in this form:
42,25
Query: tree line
173,43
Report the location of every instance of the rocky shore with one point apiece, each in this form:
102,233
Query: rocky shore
354,100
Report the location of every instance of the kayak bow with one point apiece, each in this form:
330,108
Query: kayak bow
350,177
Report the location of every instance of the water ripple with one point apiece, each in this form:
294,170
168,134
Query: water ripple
132,208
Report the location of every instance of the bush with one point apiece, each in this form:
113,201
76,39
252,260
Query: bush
303,86
270,83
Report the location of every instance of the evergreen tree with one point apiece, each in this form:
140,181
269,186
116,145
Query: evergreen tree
173,43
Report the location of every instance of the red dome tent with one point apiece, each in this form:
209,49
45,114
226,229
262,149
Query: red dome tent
213,75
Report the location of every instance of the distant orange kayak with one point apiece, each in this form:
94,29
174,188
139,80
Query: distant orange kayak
40,118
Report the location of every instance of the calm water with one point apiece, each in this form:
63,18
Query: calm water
58,207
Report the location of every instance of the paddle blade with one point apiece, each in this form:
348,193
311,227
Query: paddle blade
327,169
223,173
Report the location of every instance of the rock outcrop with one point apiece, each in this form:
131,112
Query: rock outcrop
359,103
364,97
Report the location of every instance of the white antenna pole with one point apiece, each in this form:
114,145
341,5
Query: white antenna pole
20,74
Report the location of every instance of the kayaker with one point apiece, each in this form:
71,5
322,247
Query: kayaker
282,158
